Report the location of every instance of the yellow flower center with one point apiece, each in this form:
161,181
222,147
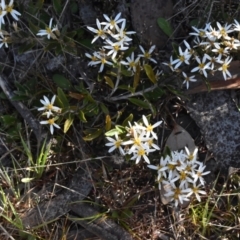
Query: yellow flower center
9,8
149,128
183,175
116,47
177,192
201,65
137,141
51,121
171,166
223,32
147,55
100,33
103,60
132,64
182,58
118,143
49,106
141,152
225,67
201,33
112,22
48,30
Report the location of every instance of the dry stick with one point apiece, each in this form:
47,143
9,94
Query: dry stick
216,85
22,109
140,93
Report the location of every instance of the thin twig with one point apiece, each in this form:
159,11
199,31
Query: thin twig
140,93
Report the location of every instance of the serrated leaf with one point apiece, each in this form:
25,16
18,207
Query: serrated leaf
62,98
61,81
67,124
82,116
139,103
109,81
93,134
165,26
128,119
136,78
108,123
149,71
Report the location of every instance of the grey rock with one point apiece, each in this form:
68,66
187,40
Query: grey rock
218,118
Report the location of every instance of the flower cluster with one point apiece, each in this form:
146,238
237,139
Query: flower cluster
181,175
139,141
116,40
4,10
214,45
49,31
49,110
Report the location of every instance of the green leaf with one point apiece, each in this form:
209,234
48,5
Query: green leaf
82,116
109,81
62,98
92,134
155,94
165,26
68,123
125,87
62,82
108,123
120,129
26,180
8,120
57,6
104,108
112,132
139,103
128,119
125,72
91,109
149,71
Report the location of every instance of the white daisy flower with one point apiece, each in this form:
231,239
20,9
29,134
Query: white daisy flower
9,9
225,66
115,144
48,106
147,54
52,124
48,31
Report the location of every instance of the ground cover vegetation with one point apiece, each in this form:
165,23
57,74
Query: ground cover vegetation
78,96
